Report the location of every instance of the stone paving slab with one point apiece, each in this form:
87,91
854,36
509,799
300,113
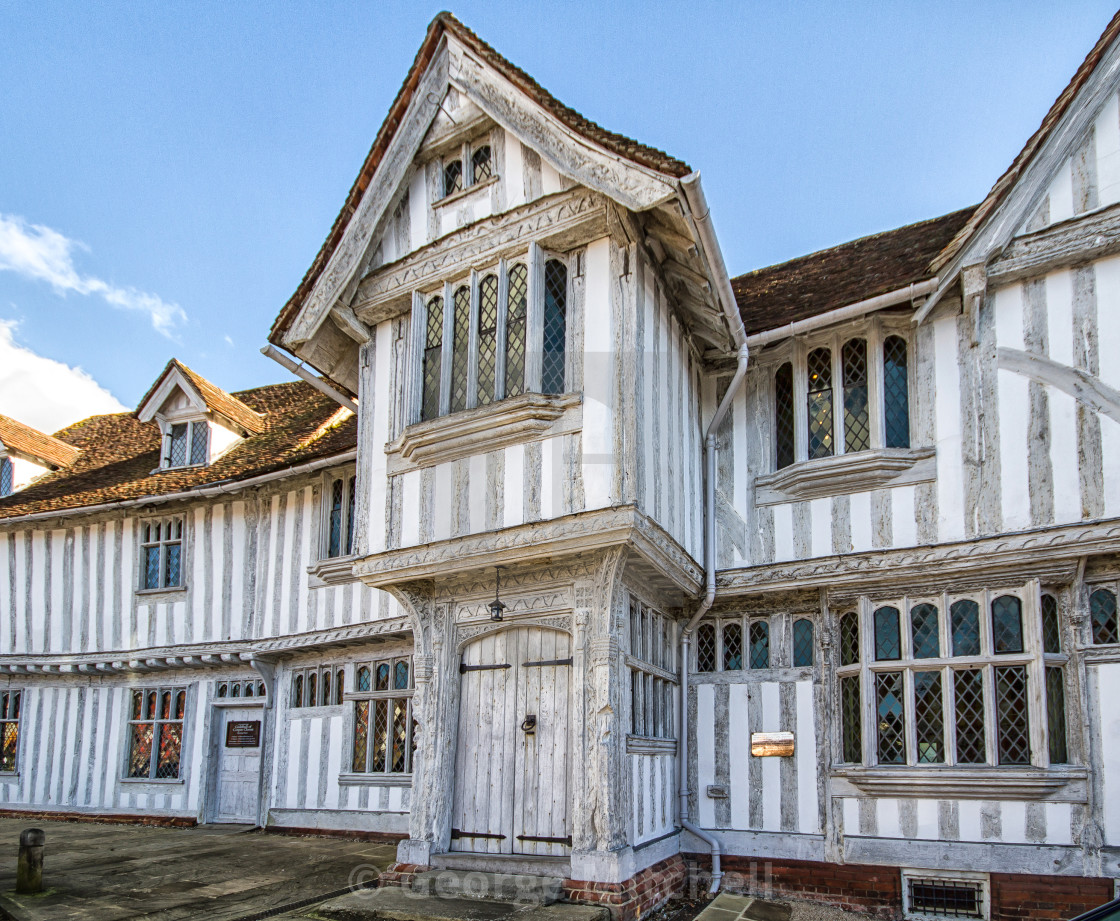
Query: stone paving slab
396,904
107,872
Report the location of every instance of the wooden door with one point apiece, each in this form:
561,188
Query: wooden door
511,770
239,765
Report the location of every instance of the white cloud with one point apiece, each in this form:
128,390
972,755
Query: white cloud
43,393
43,254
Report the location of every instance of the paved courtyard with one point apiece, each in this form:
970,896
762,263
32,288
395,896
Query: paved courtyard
108,872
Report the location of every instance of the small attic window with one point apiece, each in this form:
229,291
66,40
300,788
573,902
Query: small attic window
480,162
5,476
452,177
470,165
188,445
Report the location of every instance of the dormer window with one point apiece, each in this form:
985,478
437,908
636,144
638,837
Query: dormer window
189,445
471,165
5,476
452,177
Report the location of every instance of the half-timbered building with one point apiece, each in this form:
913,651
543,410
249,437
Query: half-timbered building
573,556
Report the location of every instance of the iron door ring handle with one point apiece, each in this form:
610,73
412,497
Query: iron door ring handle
529,723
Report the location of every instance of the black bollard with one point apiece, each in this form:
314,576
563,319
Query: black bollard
29,870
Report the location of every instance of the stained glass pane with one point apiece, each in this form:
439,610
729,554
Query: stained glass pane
929,718
180,705
433,358
297,691
312,687
820,403
178,454
460,345
924,631
140,750
223,689
515,330
151,567
382,677
896,401
968,714
1102,610
1007,624
1056,715
857,418
783,417
889,711
555,326
380,747
361,734
5,477
248,688
732,647
480,160
965,615
9,738
1051,633
452,177
400,675
339,684
1011,715
706,648
487,337
802,642
165,705
849,638
174,574
851,712
334,521
150,710
760,644
363,678
235,691
400,736
200,443
888,642
170,746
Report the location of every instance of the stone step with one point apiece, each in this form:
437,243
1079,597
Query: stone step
392,903
520,888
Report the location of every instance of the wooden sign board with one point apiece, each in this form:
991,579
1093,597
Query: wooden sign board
243,734
771,744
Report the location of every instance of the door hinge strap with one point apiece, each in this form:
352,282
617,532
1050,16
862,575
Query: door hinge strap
455,833
546,662
544,839
463,667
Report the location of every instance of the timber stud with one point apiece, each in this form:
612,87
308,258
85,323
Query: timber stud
29,869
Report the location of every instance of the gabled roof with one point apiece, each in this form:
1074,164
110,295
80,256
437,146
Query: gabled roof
835,277
216,399
446,23
1007,181
120,454
23,439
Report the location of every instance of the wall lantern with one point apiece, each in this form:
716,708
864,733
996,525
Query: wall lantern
496,606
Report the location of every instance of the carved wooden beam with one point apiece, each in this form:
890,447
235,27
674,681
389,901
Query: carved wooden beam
345,319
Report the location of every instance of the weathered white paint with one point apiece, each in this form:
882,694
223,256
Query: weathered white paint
598,383
1108,691
1014,412
1107,132
947,399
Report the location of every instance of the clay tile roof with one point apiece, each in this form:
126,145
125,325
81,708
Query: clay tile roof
23,439
1005,182
120,454
822,281
445,22
216,399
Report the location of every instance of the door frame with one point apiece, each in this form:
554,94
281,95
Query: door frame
218,707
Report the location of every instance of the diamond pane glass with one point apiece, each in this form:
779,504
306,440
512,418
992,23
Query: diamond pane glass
297,691
453,177
380,748
433,358
334,523
732,647
515,330
896,401
888,641
924,631
487,337
173,576
965,617
1056,715
9,738
382,680
180,705
1051,633
363,678
480,160
706,648
312,688
1102,611
400,736
1007,624
140,750
178,455
889,718
1011,714
851,712
783,416
929,718
339,685
5,477
170,746
400,675
555,326
820,403
802,642
200,443
351,501
760,644
460,346
857,418
849,638
968,714
361,733
151,567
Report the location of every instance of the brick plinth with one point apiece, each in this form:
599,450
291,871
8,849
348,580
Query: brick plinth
1048,897
107,818
401,874
641,893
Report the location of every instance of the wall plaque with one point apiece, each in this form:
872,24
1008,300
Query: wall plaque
770,744
243,734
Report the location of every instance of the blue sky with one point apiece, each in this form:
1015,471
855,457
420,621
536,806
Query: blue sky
169,170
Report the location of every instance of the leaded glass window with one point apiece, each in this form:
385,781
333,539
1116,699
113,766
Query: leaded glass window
555,326
341,492
651,655
968,716
200,443
452,177
384,738
1056,715
487,336
849,638
888,640
433,358
161,553
155,733
760,644
1102,613
1007,624
1051,632
177,454
732,647
929,717
518,301
460,348
896,397
890,721
857,415
480,163
316,686
851,717
965,616
188,443
820,403
783,416
924,631
9,729
802,642
1012,709
6,477
706,648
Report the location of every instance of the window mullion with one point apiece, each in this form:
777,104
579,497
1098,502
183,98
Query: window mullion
472,345
949,714
468,166
839,417
415,384
1036,675
991,711
875,395
868,711
800,402
534,321
447,349
910,716
501,334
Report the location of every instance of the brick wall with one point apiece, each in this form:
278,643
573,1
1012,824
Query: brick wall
1015,896
636,896
400,874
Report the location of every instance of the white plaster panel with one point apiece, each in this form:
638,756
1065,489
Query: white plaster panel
314,730
378,390
477,492
861,521
851,815
294,765
1061,193
705,751
739,752
927,819
1108,152
418,208
904,523
598,377
57,550
550,179
1059,823
1063,456
1108,691
1108,331
1013,823
304,560
968,819
887,813
550,500
808,815
820,518
410,508
1014,402
513,508
947,402
514,178
1059,316
771,767
783,533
